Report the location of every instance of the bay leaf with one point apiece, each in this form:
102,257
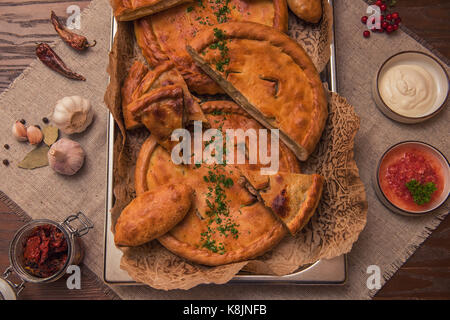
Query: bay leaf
37,158
50,135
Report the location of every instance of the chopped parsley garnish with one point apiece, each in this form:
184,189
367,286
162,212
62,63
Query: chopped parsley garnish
421,193
221,45
217,210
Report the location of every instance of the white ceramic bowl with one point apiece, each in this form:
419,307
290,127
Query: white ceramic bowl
430,64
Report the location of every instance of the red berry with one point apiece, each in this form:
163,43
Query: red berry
384,25
395,26
366,34
382,17
395,15
364,19
389,29
383,7
379,3
389,17
398,20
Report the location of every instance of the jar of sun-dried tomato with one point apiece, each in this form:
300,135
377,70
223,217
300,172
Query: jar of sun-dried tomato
42,250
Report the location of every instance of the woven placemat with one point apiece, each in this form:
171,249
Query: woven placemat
387,241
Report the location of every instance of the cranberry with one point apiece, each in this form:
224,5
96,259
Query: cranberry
395,26
364,19
384,25
389,29
395,15
379,3
389,17
366,34
383,7
382,18
398,20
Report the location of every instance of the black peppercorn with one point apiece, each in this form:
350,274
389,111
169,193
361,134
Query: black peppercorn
6,146
6,162
22,121
45,120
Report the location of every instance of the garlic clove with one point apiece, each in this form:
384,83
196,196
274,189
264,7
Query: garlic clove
72,114
34,135
19,131
66,156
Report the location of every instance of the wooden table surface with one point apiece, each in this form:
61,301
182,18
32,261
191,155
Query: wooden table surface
426,275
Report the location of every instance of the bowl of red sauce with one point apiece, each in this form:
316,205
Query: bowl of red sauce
412,178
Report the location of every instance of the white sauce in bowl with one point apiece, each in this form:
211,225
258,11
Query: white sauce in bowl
408,89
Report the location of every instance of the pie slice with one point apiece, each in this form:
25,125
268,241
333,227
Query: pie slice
164,75
164,35
292,197
127,10
270,76
161,111
135,75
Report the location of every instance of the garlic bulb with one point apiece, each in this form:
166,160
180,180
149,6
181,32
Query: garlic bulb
66,156
72,114
34,135
19,131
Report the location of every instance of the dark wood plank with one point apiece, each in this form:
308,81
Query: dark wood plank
22,24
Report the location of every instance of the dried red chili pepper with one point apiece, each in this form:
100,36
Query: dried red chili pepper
54,62
74,40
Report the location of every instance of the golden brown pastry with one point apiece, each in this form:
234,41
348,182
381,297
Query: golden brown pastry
152,214
164,35
127,10
165,74
270,76
293,198
308,10
161,111
258,230
135,75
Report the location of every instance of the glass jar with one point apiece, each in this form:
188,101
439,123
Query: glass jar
75,253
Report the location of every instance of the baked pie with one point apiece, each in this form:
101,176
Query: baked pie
127,10
293,198
308,10
152,214
161,111
164,35
163,75
226,222
135,75
270,76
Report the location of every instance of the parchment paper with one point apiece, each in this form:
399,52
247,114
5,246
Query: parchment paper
314,38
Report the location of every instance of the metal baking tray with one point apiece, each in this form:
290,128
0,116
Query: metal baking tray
322,272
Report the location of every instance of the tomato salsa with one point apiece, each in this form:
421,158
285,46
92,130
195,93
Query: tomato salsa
405,163
45,251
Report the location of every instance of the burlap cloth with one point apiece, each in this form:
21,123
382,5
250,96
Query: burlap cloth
387,241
